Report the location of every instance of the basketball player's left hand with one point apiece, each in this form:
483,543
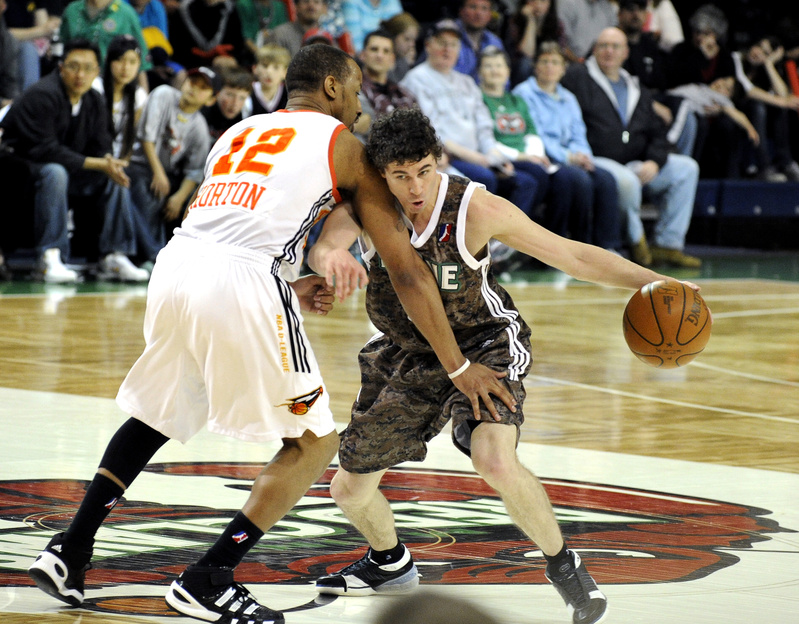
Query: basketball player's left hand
314,295
479,382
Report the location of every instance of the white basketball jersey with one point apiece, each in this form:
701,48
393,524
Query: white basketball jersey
268,179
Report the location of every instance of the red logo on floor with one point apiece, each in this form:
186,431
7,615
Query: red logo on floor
454,524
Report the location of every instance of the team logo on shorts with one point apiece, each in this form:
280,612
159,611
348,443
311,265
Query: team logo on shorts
301,404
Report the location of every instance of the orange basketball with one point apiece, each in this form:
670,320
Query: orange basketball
666,324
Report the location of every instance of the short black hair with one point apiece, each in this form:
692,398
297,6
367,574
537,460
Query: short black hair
237,78
312,64
403,136
379,33
81,43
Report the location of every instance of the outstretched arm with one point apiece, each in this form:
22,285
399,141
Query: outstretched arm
742,120
490,217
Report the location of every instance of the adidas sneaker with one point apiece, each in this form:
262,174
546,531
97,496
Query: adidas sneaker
60,570
365,577
211,594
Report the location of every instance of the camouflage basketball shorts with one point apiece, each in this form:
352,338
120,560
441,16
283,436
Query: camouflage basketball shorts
406,399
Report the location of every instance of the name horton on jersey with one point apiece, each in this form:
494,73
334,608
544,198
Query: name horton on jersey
454,523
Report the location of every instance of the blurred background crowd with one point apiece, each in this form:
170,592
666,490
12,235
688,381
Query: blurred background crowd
581,112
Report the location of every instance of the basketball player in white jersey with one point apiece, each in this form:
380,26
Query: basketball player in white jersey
225,346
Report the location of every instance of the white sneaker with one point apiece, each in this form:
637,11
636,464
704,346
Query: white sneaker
117,266
53,270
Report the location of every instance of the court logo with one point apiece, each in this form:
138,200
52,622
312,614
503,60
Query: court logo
455,525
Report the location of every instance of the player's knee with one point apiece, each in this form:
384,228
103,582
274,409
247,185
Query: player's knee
498,469
347,490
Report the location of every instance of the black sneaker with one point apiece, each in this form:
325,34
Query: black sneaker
365,577
211,594
60,570
585,602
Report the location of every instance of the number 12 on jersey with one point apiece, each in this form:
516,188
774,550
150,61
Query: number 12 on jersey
270,142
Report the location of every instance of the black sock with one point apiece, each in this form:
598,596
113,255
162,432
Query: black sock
236,540
392,555
561,562
101,497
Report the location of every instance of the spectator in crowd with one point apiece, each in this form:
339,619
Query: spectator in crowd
534,22
201,30
583,20
583,198
720,142
648,61
290,34
404,30
454,104
364,16
767,103
629,140
100,21
124,99
269,89
30,23
474,16
664,23
714,99
167,163
379,94
237,85
60,126
9,62
258,18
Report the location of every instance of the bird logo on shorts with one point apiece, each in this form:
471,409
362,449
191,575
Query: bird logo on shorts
301,404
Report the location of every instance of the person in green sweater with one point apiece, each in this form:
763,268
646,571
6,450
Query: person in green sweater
100,21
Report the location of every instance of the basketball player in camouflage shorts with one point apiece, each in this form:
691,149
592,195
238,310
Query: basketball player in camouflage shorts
406,397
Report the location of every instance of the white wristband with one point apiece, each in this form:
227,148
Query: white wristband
460,371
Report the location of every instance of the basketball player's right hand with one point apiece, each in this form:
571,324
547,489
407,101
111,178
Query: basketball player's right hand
344,273
479,382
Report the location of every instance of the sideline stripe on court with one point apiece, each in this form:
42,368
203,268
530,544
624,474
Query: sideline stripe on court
644,397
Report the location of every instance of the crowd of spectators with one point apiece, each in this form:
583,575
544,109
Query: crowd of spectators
578,111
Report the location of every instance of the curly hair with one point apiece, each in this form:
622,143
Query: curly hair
312,64
403,136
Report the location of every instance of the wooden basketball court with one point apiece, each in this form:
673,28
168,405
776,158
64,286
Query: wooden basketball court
678,488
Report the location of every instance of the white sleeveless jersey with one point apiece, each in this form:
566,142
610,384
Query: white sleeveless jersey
268,179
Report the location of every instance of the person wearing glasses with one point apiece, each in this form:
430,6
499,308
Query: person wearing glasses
59,126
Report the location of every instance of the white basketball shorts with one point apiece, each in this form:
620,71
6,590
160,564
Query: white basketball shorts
226,347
